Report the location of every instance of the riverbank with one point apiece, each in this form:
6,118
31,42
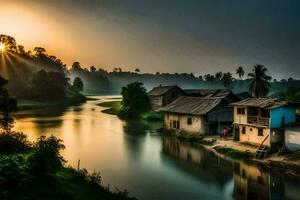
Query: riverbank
68,184
114,108
288,163
24,104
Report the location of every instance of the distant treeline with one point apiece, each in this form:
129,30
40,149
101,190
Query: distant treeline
23,69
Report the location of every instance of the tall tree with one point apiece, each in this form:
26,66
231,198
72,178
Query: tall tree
259,85
7,106
227,79
9,43
219,75
240,72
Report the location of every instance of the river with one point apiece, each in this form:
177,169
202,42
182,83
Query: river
132,155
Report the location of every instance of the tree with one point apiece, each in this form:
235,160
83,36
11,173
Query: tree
219,75
9,43
93,69
7,106
135,100
240,72
137,70
259,81
209,77
39,51
227,79
76,66
78,84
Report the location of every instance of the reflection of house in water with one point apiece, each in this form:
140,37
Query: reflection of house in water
250,182
198,161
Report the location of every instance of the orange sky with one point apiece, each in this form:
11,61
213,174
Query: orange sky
197,36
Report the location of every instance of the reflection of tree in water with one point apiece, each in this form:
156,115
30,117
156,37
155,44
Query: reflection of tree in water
253,182
51,111
196,161
134,132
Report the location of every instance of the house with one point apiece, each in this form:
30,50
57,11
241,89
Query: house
292,138
222,93
163,95
261,120
198,115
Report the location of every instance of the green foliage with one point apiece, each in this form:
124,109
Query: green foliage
259,85
46,159
13,173
77,84
227,79
48,85
135,100
13,142
114,107
7,106
153,116
234,153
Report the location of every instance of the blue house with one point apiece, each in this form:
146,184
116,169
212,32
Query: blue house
261,121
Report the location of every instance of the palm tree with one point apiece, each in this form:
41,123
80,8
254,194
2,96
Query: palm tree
259,85
218,75
227,79
240,72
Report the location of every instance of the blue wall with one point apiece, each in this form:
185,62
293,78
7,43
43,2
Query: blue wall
276,116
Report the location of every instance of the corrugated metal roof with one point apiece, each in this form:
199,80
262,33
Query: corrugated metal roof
266,103
208,92
160,90
192,105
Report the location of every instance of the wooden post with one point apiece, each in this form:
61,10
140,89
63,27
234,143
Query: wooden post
78,165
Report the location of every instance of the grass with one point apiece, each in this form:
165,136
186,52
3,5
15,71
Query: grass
153,116
113,107
67,184
233,153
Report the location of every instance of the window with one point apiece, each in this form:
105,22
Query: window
240,111
174,124
189,121
170,123
260,132
243,130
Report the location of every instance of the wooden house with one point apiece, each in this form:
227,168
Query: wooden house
198,115
163,95
261,120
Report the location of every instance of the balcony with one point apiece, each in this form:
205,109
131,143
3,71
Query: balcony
258,121
252,120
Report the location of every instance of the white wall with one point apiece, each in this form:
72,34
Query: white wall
292,138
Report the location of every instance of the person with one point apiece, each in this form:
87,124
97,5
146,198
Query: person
225,132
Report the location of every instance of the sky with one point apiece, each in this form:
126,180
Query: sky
192,36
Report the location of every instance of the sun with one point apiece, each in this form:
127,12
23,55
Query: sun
2,47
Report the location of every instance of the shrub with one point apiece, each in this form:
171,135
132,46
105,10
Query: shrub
46,158
13,172
13,142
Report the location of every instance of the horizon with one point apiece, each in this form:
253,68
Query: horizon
161,37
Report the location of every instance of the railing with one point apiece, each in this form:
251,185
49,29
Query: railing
260,121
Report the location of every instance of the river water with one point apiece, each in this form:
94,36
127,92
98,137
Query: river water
132,155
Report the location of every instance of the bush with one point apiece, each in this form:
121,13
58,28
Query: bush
46,158
13,142
13,173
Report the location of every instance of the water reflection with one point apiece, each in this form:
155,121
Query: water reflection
132,155
250,181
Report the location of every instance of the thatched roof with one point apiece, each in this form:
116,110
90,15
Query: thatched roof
192,105
160,90
266,103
